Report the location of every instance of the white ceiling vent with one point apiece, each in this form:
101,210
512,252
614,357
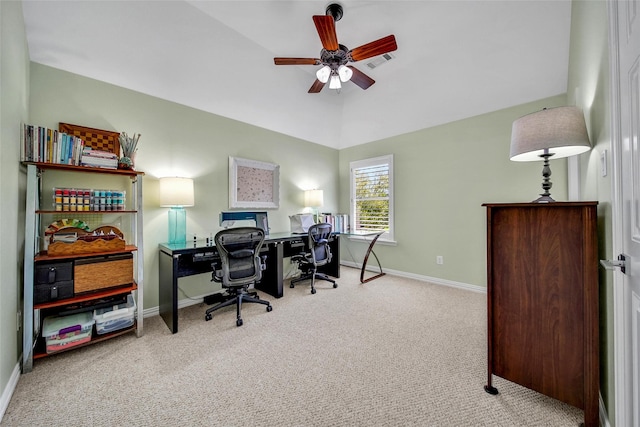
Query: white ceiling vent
378,61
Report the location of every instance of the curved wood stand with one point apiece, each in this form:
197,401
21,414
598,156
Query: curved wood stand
366,258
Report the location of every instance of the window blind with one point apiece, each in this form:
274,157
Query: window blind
372,197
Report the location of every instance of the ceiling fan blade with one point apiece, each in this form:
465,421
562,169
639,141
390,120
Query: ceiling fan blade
327,31
316,86
296,61
375,48
360,78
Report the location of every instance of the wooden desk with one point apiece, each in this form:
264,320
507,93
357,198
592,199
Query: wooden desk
182,260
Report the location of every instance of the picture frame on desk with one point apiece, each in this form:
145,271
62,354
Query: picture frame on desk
253,184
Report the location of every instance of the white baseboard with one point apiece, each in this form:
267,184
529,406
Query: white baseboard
9,389
434,280
155,311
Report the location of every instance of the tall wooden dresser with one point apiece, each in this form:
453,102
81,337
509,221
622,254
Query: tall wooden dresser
542,300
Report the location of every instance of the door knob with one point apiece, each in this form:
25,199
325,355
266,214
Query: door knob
620,263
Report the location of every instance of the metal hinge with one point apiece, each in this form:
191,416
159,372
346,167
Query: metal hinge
620,263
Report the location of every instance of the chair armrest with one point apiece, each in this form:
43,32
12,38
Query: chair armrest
216,274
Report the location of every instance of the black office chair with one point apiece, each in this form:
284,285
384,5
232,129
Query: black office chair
240,266
319,254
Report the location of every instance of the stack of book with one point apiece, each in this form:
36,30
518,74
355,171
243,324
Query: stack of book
339,222
40,144
99,159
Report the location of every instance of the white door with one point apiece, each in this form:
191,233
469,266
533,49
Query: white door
624,17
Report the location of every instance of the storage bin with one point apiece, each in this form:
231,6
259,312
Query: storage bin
92,274
63,332
53,281
114,318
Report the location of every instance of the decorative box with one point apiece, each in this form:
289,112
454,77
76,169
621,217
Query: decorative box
108,271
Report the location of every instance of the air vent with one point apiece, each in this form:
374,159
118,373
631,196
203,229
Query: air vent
378,61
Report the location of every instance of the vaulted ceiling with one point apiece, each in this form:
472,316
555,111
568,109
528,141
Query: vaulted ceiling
455,59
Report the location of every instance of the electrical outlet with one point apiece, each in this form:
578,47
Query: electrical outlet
439,260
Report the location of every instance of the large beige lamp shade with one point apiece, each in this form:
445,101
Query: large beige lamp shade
177,193
558,132
314,199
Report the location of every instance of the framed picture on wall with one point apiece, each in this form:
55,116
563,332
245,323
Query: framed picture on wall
253,184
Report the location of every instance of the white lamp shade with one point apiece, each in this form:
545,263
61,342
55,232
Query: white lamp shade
560,130
313,198
334,83
176,191
345,73
323,74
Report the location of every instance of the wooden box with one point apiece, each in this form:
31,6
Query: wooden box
92,274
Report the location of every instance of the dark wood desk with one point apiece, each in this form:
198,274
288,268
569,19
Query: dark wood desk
189,259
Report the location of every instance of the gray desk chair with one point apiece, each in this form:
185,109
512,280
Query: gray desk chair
319,254
240,266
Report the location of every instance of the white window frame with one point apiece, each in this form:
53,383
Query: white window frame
365,163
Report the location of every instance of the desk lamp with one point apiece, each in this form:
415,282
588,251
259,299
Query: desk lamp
314,199
559,132
177,193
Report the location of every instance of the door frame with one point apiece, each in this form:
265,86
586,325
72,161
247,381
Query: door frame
622,404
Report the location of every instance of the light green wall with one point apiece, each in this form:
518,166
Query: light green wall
14,76
588,87
443,175
181,141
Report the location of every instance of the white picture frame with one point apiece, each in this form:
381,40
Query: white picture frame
253,184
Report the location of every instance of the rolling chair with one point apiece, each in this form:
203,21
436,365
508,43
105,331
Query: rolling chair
240,266
319,254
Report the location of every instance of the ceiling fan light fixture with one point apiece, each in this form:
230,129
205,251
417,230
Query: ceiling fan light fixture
323,74
345,73
334,83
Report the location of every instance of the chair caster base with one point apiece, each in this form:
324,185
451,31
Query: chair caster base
239,322
313,290
269,308
335,285
208,317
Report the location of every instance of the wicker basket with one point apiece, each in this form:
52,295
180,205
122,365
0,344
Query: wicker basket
91,274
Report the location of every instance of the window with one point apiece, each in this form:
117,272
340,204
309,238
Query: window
372,195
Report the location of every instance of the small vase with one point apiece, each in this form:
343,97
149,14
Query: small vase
125,163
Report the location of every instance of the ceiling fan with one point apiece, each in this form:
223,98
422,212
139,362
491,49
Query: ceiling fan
334,57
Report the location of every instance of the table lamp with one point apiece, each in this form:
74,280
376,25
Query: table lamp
314,199
559,132
177,193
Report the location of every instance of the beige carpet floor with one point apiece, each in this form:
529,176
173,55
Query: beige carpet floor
391,352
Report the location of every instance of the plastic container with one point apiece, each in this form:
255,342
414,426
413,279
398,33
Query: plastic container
114,318
63,332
